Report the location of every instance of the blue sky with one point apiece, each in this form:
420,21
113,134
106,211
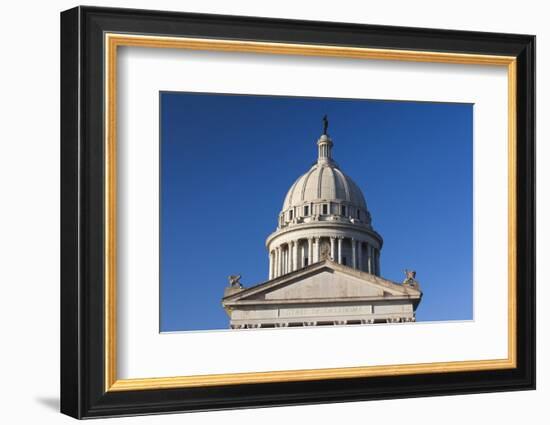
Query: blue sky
227,162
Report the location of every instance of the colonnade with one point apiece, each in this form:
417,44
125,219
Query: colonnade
340,322
302,252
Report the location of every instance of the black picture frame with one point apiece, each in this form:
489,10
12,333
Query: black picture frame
83,392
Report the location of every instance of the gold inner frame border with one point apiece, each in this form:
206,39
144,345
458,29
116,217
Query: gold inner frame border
113,40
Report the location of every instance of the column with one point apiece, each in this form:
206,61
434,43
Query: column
377,262
303,255
369,259
290,256
332,249
353,253
340,250
285,260
276,271
310,250
316,250
360,255
270,265
295,255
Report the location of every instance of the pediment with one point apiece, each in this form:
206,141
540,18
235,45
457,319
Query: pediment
326,281
324,284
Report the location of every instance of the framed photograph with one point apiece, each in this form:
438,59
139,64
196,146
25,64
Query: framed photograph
261,212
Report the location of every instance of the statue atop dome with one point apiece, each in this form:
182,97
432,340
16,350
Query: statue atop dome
325,125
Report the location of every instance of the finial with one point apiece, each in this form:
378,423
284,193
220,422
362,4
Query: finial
325,125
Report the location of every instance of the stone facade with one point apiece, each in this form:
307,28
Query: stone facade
325,293
324,261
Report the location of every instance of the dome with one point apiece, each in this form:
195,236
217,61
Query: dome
324,216
324,182
324,193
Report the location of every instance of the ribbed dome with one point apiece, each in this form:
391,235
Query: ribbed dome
324,194
324,181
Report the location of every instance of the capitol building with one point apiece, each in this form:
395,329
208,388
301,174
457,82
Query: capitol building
324,260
